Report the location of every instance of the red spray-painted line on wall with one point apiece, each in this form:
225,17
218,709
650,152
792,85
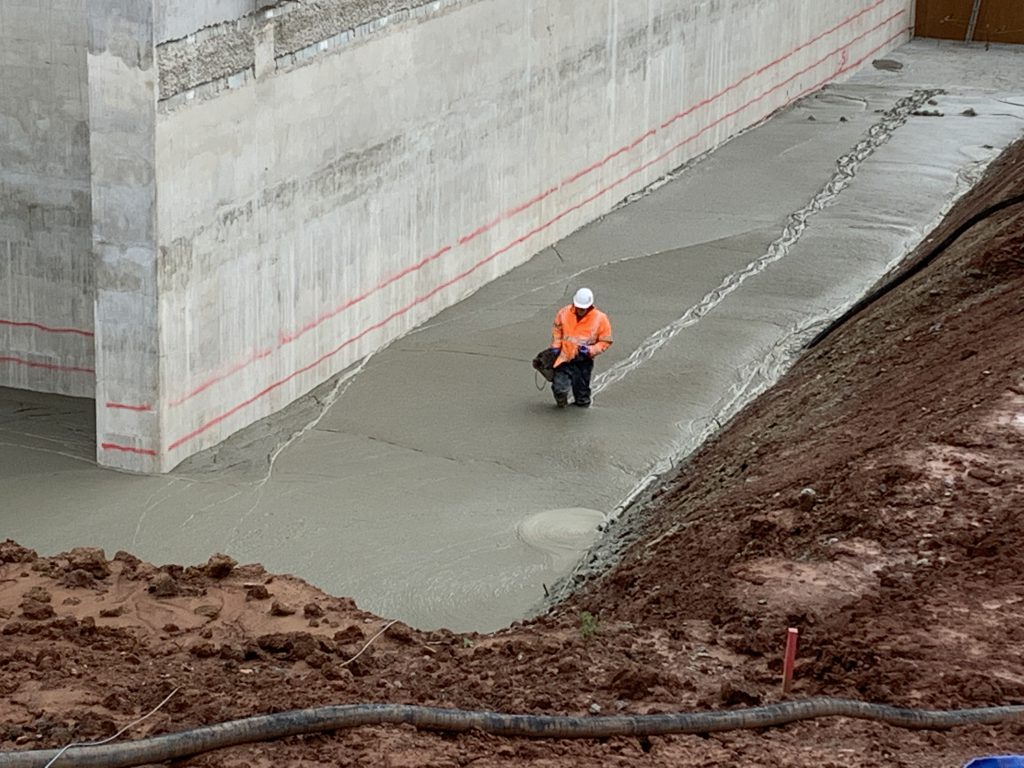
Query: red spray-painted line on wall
397,313
46,366
288,337
773,63
127,449
794,76
75,369
45,328
126,407
653,131
226,374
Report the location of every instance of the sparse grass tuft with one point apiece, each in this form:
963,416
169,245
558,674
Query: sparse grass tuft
590,625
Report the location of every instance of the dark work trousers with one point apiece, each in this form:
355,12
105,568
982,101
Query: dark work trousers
574,375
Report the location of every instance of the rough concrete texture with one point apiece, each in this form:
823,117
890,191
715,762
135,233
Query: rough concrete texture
434,484
210,55
311,215
46,271
321,19
230,47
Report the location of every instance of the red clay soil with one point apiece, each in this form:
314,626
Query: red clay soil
902,568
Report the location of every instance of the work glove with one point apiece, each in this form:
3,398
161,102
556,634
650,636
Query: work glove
584,350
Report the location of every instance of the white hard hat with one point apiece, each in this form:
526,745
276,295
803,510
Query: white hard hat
584,298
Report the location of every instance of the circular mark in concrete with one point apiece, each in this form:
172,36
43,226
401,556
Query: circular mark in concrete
563,534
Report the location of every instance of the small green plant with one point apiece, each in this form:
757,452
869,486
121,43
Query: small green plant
589,625
467,643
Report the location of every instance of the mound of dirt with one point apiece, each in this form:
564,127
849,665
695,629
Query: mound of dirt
871,500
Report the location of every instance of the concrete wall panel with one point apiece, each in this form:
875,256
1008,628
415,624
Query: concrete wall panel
46,275
122,114
332,199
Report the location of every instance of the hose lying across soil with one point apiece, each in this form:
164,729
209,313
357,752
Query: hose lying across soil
916,267
303,721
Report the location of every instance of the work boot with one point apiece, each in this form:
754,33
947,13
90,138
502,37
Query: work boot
582,403
561,400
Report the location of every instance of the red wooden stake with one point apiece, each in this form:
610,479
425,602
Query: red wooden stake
790,659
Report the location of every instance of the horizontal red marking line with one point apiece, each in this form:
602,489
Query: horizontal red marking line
802,93
773,63
126,407
46,366
127,449
220,377
45,328
288,337
380,324
784,83
611,156
708,127
508,215
536,230
653,131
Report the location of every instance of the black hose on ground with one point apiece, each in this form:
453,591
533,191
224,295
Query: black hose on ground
920,264
304,721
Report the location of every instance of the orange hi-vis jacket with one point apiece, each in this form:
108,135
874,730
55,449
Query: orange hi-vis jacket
570,332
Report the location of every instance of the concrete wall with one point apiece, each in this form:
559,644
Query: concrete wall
46,272
330,198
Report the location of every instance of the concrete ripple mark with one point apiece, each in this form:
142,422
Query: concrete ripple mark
846,169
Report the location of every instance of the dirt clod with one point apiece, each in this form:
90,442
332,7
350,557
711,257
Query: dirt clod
36,610
256,592
219,566
277,608
163,585
90,560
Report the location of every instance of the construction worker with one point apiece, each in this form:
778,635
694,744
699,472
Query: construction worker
581,332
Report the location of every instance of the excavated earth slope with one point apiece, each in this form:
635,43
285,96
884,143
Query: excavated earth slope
872,500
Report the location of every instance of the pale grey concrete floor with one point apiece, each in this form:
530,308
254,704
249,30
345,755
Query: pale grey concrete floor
440,486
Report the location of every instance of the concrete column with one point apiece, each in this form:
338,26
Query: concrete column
122,116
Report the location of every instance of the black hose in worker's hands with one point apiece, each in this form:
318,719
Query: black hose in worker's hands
303,721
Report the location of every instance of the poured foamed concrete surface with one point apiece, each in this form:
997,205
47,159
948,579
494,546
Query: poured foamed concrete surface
434,483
